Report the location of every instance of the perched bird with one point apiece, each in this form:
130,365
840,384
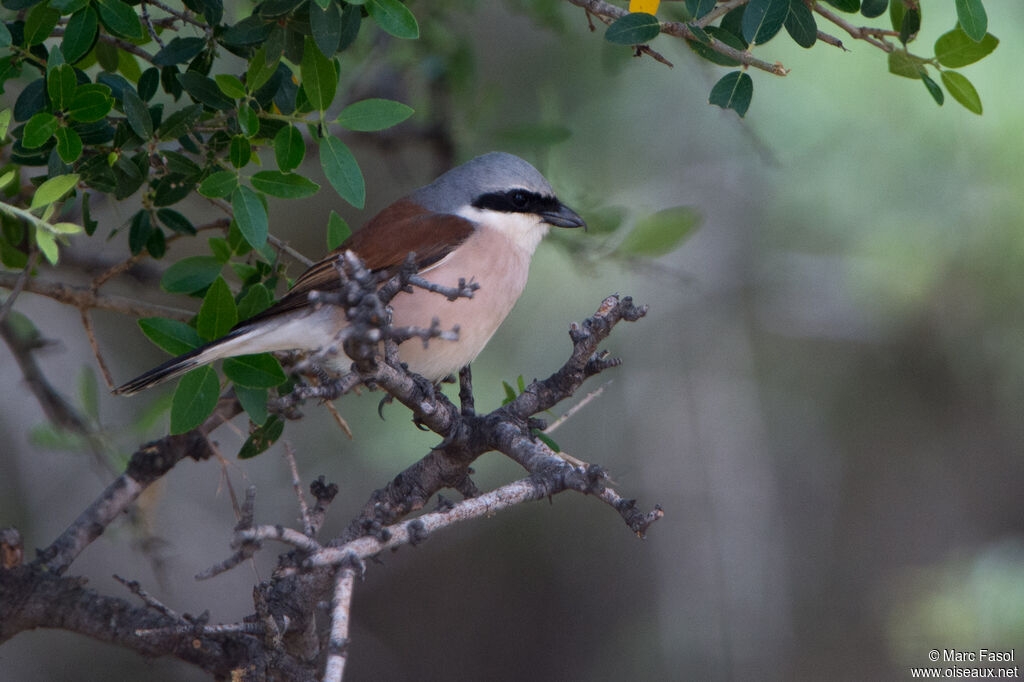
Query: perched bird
480,221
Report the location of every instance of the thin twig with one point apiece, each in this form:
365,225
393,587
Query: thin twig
575,408
338,419
84,297
149,25
864,34
91,335
183,16
289,456
151,601
19,284
719,11
600,8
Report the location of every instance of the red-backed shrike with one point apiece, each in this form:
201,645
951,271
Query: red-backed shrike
480,221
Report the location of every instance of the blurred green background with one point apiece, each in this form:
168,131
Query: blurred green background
825,396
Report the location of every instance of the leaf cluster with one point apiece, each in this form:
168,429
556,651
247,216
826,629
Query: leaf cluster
137,101
751,24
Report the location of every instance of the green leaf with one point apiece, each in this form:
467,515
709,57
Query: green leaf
633,29
142,228
351,21
51,437
240,151
284,185
255,371
262,438
660,233
874,8
5,123
157,243
733,91
180,122
726,37
956,49
205,90
911,25
248,120
47,244
179,51
373,114
342,171
120,18
219,248
325,23
91,102
800,24
89,393
973,19
39,23
39,129
230,85
170,335
289,148
190,275
763,19
250,215
257,299
394,18
510,393
67,6
175,221
194,399
845,5
69,145
903,64
933,88
53,189
149,81
138,114
319,79
80,34
218,313
171,189
219,184
259,70
962,91
337,231
254,402
106,55
5,36
698,8
61,85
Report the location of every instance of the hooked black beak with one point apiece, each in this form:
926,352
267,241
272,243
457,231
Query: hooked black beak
563,216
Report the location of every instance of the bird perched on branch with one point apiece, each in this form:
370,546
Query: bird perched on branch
480,222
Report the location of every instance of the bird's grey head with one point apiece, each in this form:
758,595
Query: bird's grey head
497,181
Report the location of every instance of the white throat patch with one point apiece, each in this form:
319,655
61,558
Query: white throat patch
523,230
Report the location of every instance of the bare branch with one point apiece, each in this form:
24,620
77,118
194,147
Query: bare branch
145,467
86,298
864,33
341,604
600,8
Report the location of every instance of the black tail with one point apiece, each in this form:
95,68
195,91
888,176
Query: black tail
174,367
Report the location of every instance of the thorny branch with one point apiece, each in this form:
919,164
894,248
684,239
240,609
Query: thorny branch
608,13
281,640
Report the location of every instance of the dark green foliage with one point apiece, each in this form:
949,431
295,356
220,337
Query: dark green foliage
104,108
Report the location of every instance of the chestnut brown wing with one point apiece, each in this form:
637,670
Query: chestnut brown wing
383,243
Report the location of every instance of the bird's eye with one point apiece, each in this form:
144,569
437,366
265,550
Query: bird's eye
520,199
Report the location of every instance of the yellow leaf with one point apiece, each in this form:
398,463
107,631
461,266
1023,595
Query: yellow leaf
646,6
